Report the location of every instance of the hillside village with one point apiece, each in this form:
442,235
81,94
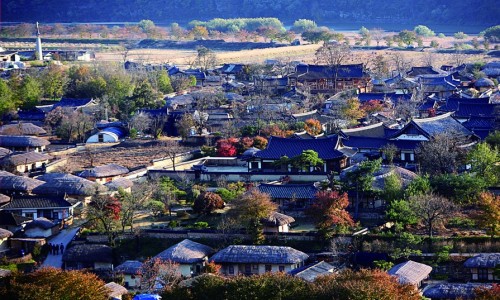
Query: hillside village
182,181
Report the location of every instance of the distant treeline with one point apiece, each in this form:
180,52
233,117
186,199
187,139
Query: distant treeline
450,12
236,25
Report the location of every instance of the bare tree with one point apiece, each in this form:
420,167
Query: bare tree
399,62
157,125
206,58
132,203
432,210
429,59
141,122
377,34
333,56
184,125
441,155
159,274
173,149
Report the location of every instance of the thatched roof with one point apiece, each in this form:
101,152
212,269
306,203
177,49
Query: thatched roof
259,254
24,158
40,223
453,290
311,272
115,290
13,183
119,182
5,273
104,171
186,252
379,176
88,253
4,233
62,183
4,199
484,82
4,152
132,267
21,129
483,260
8,141
410,272
277,219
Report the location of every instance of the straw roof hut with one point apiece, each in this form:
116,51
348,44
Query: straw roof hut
109,170
119,182
21,129
116,291
132,267
62,183
277,219
453,290
4,199
14,160
43,223
4,152
4,233
11,141
186,252
410,272
88,255
10,183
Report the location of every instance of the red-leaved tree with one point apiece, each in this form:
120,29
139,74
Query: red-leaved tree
207,202
227,147
329,210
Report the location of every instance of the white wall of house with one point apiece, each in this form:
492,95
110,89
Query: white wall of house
257,268
4,245
31,166
412,137
132,281
103,266
103,137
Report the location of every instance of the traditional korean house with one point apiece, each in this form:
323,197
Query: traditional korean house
442,86
290,196
94,257
454,291
41,228
131,271
419,71
410,272
190,256
251,260
13,222
313,271
23,143
11,184
55,208
277,222
330,79
482,267
119,182
105,173
116,291
278,148
25,162
74,103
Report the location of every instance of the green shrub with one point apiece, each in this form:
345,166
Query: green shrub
200,225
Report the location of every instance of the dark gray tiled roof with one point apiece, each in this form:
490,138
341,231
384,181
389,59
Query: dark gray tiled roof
311,272
259,254
289,191
20,202
279,147
483,260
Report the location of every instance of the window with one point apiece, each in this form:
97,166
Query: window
269,268
55,215
482,274
230,270
247,269
29,215
281,268
255,268
100,138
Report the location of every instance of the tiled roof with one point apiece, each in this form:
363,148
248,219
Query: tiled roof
378,143
311,272
72,102
439,125
259,254
21,202
477,110
289,191
483,260
428,105
453,102
278,147
410,272
186,252
378,130
364,97
323,71
416,71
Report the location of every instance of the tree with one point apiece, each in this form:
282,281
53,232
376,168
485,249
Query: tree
363,284
302,25
371,106
400,212
306,160
483,160
360,180
352,110
461,188
434,44
487,293
489,214
143,96
164,84
103,213
432,210
260,142
424,31
393,188
205,58
329,210
493,139
365,35
492,34
407,37
30,92
312,126
389,152
51,283
207,202
53,81
156,207
419,186
159,274
460,35
199,32
377,34
6,103
333,56
141,122
227,147
380,67
132,204
440,155
250,208
184,125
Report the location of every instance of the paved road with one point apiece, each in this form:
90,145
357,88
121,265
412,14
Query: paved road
65,236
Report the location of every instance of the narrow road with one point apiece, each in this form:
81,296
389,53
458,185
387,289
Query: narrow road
64,237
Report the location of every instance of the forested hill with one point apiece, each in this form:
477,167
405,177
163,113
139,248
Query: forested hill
450,12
